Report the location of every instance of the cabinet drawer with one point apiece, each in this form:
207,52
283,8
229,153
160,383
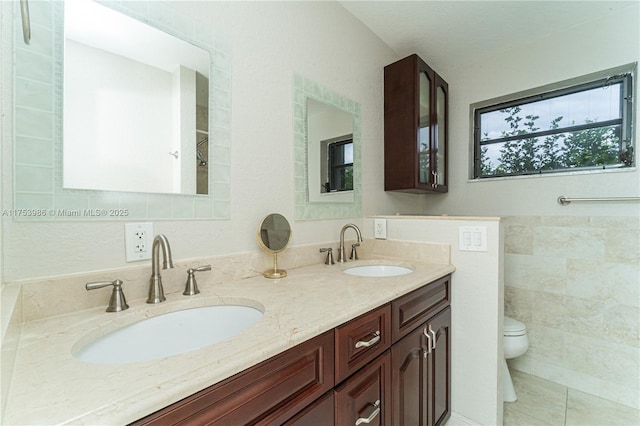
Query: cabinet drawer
411,310
361,340
268,393
366,395
320,412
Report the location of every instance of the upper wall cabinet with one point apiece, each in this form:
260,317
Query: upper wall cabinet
415,127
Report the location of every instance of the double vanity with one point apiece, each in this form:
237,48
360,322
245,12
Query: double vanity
323,344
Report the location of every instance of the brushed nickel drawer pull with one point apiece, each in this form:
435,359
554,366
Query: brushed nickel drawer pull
367,420
427,351
433,334
366,344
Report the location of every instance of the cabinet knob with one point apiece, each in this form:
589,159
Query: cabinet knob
367,420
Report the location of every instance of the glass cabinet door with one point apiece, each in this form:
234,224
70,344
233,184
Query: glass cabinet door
424,129
440,137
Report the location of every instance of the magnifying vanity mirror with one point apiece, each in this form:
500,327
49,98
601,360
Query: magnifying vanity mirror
274,234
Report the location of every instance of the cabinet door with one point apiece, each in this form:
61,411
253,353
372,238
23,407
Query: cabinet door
439,155
439,369
426,125
365,398
409,380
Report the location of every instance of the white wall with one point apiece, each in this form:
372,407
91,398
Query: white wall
476,311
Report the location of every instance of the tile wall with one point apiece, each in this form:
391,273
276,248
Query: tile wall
575,283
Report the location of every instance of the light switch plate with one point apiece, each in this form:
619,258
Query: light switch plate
473,238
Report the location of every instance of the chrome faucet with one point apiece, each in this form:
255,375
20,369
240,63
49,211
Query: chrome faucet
156,292
341,256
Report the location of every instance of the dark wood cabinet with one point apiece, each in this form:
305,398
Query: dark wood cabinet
349,375
268,393
365,398
416,117
409,380
421,373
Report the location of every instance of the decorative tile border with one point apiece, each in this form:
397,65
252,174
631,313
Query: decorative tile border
38,81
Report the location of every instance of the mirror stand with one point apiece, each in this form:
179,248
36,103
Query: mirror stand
274,233
275,273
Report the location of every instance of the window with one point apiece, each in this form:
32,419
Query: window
340,166
583,126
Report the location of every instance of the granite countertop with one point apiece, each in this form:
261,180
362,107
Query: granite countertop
50,386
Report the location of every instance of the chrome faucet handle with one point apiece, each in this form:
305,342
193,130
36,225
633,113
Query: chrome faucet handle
117,302
191,287
329,260
354,253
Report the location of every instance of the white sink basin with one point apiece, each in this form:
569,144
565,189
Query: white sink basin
378,270
169,334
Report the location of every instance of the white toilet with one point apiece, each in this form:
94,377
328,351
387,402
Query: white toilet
515,343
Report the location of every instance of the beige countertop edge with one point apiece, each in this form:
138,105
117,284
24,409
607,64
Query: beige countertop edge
49,386
441,217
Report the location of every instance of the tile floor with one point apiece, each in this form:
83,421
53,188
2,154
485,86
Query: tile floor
544,403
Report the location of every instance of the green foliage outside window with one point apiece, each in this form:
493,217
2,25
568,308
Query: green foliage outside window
584,124
586,148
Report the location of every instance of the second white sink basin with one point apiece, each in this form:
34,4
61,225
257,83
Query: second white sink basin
169,334
378,270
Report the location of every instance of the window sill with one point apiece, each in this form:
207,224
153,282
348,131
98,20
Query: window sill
555,175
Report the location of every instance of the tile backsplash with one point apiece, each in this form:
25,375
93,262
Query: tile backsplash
575,283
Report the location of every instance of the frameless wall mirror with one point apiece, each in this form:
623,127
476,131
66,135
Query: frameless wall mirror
327,152
135,107
179,159
274,234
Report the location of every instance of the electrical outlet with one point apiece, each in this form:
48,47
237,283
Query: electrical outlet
138,240
380,229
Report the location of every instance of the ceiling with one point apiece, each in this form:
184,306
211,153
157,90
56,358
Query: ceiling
453,32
